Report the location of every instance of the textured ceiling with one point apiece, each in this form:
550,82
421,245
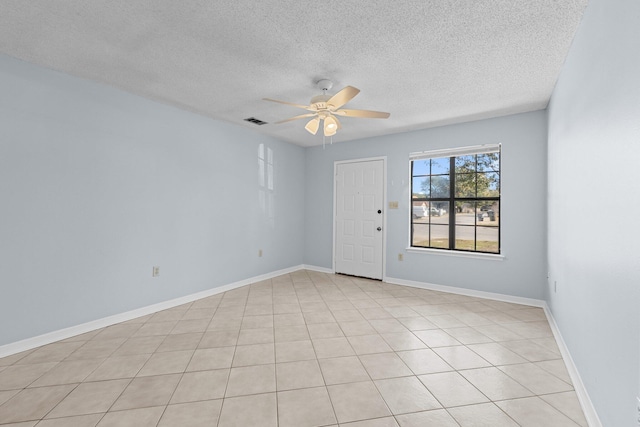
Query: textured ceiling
427,62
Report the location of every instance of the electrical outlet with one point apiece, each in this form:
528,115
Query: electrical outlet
259,252
400,257
393,205
156,271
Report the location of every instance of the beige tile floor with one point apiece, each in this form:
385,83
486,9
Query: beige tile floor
302,349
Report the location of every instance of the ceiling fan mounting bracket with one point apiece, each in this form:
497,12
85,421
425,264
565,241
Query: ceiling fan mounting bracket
324,84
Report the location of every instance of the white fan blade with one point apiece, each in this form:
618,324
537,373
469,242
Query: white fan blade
301,116
342,97
362,113
304,107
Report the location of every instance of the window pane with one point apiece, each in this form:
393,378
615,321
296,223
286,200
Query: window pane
466,213
488,214
443,207
465,185
419,212
440,186
441,165
420,235
440,236
488,162
465,237
421,187
488,184
466,163
487,239
438,213
421,167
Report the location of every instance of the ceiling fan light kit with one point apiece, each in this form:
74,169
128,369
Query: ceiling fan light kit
330,125
325,107
312,126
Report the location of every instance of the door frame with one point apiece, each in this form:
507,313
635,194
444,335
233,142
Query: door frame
384,208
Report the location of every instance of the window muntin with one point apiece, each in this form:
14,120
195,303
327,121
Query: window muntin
456,200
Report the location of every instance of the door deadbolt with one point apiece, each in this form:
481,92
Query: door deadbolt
379,211
379,228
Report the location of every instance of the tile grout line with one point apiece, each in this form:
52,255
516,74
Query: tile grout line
323,290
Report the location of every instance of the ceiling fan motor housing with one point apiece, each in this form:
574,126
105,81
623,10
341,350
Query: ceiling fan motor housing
320,101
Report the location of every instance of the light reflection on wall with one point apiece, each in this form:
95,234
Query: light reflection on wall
266,183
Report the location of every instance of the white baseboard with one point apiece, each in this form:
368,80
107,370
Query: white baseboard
583,396
585,402
48,338
318,269
468,292
587,406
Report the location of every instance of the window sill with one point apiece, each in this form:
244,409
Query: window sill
476,255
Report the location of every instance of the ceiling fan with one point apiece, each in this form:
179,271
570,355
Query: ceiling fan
325,108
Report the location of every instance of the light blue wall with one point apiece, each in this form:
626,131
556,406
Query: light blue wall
594,206
97,186
523,207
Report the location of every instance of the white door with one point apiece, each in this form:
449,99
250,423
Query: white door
359,203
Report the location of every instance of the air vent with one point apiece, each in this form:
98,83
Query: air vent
255,121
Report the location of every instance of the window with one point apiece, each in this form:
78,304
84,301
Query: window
455,199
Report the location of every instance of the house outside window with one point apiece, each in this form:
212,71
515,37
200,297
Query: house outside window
455,199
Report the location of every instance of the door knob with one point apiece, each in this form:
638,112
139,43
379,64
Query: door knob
379,228
379,211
